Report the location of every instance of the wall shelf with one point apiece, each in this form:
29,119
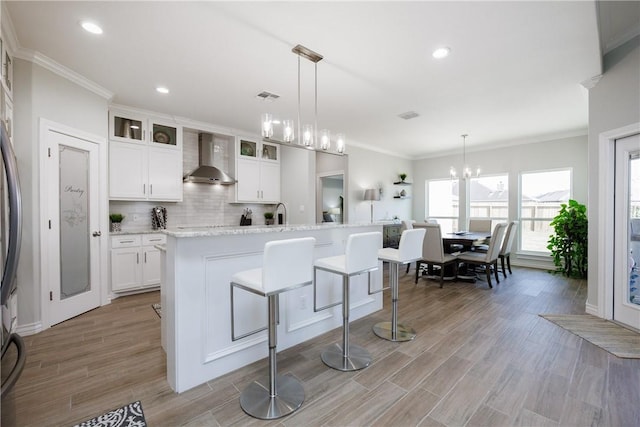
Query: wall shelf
401,197
401,183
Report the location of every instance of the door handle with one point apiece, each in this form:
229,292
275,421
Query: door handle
97,233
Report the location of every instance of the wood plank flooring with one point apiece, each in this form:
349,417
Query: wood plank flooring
482,357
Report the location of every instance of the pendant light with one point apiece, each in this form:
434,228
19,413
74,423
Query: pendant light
466,170
308,136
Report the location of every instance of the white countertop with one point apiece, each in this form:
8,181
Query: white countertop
206,231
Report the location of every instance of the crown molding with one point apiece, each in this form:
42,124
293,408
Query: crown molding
59,69
592,82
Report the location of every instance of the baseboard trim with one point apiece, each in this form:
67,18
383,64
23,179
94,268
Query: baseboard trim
29,329
592,309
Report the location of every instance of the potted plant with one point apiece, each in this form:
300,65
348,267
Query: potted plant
268,218
403,176
568,245
116,220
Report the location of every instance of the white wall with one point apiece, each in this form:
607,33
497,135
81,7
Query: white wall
39,93
613,103
297,184
370,169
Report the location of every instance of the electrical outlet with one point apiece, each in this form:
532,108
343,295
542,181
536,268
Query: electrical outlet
135,217
303,302
301,208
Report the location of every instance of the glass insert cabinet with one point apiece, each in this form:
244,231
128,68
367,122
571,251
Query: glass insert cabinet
131,127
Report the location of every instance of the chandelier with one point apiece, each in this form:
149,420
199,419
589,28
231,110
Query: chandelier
308,136
466,170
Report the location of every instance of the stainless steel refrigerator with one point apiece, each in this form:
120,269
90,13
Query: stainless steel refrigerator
10,237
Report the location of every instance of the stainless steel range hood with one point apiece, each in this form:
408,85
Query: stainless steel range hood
206,172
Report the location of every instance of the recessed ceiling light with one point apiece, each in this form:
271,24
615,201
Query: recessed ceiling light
91,27
162,89
441,52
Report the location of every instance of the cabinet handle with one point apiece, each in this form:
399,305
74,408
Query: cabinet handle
154,240
150,188
261,194
137,258
143,134
257,194
144,188
145,257
126,241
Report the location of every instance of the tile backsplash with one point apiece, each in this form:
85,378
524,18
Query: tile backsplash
202,204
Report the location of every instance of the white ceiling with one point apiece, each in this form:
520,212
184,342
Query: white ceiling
513,75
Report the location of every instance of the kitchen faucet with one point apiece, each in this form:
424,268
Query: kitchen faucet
284,219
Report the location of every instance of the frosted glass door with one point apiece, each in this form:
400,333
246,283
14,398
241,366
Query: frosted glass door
75,265
72,253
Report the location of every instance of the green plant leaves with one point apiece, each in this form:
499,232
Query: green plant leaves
568,245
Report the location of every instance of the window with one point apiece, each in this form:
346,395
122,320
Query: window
541,194
489,198
442,203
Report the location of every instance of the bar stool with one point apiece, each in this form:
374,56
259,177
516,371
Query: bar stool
410,250
286,265
361,256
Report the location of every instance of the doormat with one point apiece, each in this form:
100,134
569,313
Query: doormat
609,336
157,308
130,415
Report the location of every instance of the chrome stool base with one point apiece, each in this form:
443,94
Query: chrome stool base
256,401
403,333
358,358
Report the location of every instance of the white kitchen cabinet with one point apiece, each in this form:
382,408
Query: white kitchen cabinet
138,128
135,261
139,172
257,171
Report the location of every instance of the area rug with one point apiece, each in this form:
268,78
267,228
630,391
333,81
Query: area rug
130,415
607,335
158,309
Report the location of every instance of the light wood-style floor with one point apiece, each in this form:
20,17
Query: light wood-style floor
483,357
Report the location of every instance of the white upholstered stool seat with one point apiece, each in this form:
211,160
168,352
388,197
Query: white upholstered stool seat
361,256
286,265
409,250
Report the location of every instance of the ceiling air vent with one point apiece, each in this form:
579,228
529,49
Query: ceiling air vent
408,115
267,96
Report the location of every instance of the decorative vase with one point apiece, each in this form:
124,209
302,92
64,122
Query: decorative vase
116,226
269,221
403,193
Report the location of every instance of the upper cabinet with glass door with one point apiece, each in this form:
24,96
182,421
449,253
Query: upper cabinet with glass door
125,126
258,151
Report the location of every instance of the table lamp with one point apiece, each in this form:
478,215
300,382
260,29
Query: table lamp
371,194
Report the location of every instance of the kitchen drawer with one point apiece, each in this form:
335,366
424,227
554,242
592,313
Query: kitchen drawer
153,239
126,241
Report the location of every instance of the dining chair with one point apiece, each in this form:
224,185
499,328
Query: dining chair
433,252
490,258
507,243
480,226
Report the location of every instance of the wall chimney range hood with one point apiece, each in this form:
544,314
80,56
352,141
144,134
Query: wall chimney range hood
206,172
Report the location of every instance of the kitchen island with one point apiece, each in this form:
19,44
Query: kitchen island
197,265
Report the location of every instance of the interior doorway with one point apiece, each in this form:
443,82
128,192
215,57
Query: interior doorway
331,198
626,292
